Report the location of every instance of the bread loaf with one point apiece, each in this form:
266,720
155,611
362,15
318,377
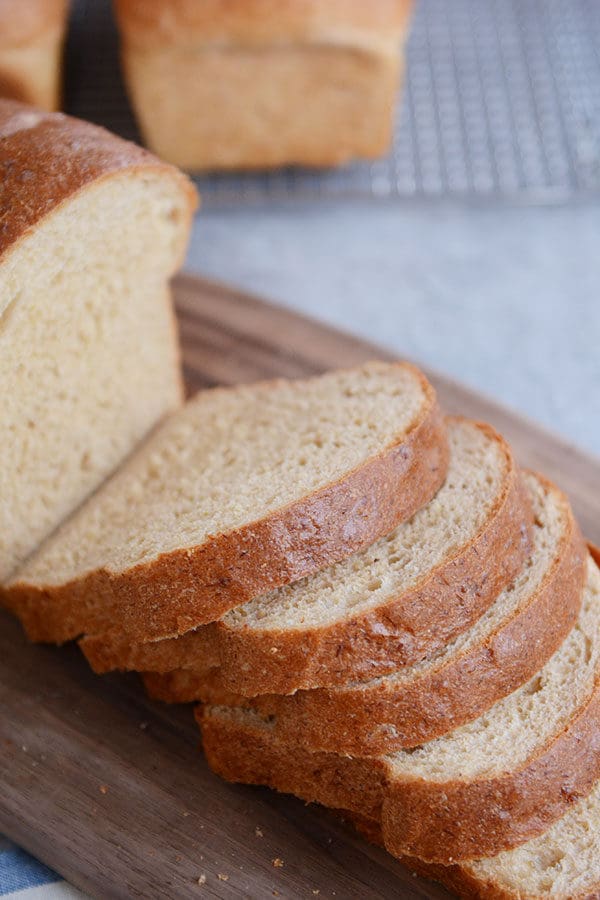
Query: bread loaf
244,84
91,229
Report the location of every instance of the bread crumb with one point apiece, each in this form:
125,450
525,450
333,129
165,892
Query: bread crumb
178,858
202,879
258,832
185,813
222,877
316,891
278,863
143,725
103,789
276,893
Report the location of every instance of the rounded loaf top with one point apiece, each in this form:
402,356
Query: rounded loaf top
45,158
157,23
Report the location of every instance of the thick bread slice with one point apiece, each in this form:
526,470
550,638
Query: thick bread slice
390,605
502,651
247,488
563,863
91,229
488,786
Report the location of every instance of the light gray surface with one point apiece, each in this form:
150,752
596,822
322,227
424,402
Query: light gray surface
504,299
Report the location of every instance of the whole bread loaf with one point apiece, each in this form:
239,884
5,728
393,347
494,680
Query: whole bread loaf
31,40
245,489
247,84
91,229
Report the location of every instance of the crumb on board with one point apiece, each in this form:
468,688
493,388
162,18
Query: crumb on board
222,877
278,863
185,813
202,879
258,832
103,788
316,891
178,858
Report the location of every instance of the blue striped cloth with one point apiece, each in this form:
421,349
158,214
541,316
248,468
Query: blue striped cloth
23,877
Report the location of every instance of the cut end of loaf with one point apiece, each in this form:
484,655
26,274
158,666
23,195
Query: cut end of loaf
89,361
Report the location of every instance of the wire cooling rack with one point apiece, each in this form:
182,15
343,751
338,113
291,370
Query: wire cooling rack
501,101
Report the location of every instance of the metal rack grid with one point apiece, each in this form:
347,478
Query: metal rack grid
501,101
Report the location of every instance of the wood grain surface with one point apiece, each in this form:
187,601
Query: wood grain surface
109,789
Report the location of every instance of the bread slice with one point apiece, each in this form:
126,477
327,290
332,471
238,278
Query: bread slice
31,39
390,605
503,650
248,67
562,863
245,489
485,787
92,228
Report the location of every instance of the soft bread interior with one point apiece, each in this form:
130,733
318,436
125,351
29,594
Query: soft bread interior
550,518
88,355
563,862
230,457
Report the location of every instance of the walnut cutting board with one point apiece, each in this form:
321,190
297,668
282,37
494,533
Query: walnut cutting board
109,789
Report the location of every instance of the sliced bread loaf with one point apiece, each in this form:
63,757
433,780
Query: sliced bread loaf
245,489
91,229
485,787
394,603
562,863
502,651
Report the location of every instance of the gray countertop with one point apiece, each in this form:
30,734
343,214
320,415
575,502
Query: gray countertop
503,298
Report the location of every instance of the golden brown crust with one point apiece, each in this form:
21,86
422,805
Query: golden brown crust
441,822
22,21
183,589
372,718
163,23
459,820
47,158
456,878
377,642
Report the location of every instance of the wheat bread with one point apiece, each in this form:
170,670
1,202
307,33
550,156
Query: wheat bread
91,229
503,650
244,489
486,787
563,863
392,604
31,40
223,83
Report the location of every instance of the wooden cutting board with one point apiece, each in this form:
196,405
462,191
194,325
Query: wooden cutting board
108,788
